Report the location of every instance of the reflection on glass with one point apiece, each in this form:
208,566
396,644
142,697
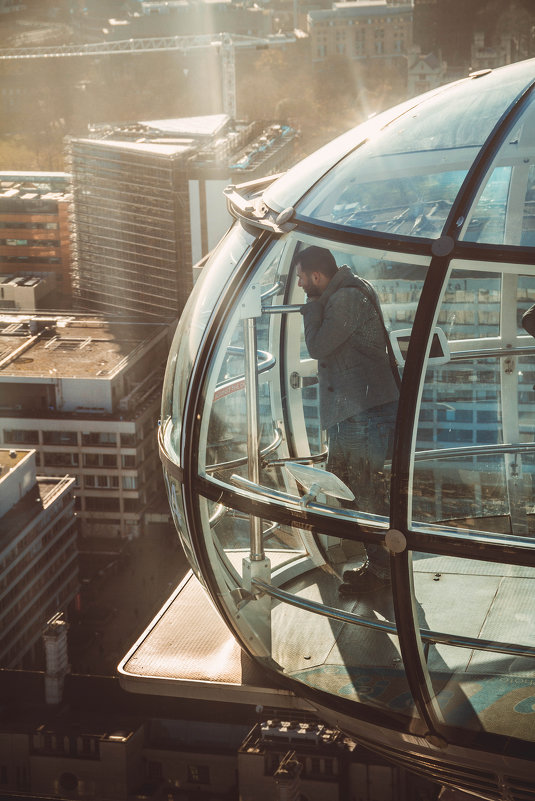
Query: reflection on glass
473,465
404,180
504,213
232,249
352,662
481,690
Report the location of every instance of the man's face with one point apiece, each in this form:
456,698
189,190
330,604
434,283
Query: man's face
309,282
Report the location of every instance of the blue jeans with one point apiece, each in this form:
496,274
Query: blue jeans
358,448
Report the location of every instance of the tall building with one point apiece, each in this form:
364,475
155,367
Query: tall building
148,204
38,553
35,228
86,395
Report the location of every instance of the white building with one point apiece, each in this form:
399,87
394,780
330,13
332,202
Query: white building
28,292
86,395
38,553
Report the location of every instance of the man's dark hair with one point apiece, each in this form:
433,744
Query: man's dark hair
318,259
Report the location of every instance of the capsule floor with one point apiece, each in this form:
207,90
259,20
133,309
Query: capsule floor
188,651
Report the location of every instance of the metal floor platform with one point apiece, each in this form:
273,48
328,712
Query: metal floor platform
188,651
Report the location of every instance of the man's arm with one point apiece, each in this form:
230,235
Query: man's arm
327,326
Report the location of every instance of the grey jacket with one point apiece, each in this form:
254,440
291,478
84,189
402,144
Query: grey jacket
345,333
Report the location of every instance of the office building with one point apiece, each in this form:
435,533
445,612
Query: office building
86,395
148,204
35,228
38,553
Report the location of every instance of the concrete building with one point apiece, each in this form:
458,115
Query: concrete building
105,744
38,553
28,292
361,31
35,229
86,395
148,204
316,762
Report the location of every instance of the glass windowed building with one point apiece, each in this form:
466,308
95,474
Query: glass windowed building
433,203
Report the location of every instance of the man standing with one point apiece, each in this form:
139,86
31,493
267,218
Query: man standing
358,392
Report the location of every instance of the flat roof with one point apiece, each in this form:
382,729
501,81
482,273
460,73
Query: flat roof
10,457
45,346
42,495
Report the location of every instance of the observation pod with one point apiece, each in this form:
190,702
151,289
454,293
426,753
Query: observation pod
433,203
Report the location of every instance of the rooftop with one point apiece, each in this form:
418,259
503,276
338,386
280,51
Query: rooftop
42,495
203,141
68,346
34,185
10,458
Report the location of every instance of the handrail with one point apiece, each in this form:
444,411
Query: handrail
314,458
271,495
427,636
238,382
211,468
483,353
282,309
474,450
273,291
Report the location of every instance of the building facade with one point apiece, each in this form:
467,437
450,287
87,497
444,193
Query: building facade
38,553
35,228
86,395
148,204
361,31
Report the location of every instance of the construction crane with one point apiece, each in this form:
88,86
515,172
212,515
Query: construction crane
226,43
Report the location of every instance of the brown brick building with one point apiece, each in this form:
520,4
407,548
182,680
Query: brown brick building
34,227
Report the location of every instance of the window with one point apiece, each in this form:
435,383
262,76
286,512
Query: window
21,437
198,774
60,438
108,438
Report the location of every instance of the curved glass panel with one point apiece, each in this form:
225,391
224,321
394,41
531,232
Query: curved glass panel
474,443
504,210
405,179
289,189
489,607
221,265
283,394
310,635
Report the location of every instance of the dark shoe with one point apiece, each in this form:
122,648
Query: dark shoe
366,582
355,573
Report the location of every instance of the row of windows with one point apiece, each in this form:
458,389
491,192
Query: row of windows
344,21
33,542
29,635
31,242
459,415
482,436
84,746
106,438
65,581
31,260
19,598
110,482
32,226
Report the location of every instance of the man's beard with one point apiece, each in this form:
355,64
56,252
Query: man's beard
313,292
